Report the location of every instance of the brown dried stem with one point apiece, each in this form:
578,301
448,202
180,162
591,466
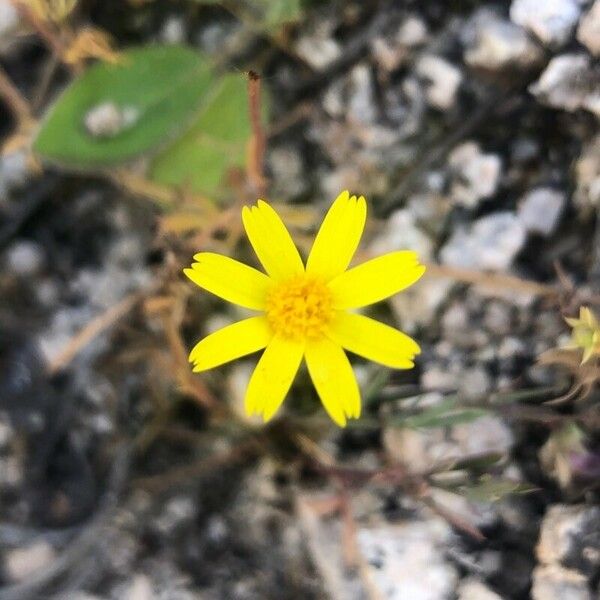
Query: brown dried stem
257,145
92,330
15,100
492,280
47,33
203,466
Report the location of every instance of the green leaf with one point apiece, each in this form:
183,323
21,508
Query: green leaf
479,463
446,413
492,489
266,15
276,13
216,141
145,100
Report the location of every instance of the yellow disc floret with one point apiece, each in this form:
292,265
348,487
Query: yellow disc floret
300,308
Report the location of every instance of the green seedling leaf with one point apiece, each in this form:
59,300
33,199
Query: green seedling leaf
492,489
216,141
113,113
279,12
479,463
444,414
265,15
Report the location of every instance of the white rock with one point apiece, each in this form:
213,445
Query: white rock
319,49
491,243
570,82
511,347
552,21
286,165
455,320
21,563
540,210
587,171
443,80
140,589
11,471
407,562
412,32
497,318
475,383
557,583
499,43
588,32
361,100
417,306
175,512
25,258
401,232
388,54
473,589
14,171
424,449
173,31
570,534
6,431
485,435
9,22
436,377
477,174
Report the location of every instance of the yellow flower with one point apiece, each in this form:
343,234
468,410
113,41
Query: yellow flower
306,310
585,334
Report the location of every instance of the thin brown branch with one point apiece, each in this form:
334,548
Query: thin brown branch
51,37
257,146
189,383
190,472
493,280
15,100
93,329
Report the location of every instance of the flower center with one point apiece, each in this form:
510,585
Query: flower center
300,308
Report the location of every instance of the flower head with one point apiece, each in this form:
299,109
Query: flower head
585,334
306,310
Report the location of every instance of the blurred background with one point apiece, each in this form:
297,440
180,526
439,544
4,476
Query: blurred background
132,133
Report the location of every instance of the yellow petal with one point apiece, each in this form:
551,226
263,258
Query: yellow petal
376,279
334,379
588,317
373,340
230,279
585,315
271,241
587,354
273,376
338,237
231,342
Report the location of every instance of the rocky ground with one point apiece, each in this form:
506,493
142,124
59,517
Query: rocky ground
472,129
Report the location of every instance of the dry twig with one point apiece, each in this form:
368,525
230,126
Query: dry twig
257,144
98,325
15,100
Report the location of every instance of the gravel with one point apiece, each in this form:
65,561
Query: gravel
552,21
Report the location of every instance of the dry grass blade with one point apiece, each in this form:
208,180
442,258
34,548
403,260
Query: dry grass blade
203,466
492,280
188,383
15,100
587,375
93,329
